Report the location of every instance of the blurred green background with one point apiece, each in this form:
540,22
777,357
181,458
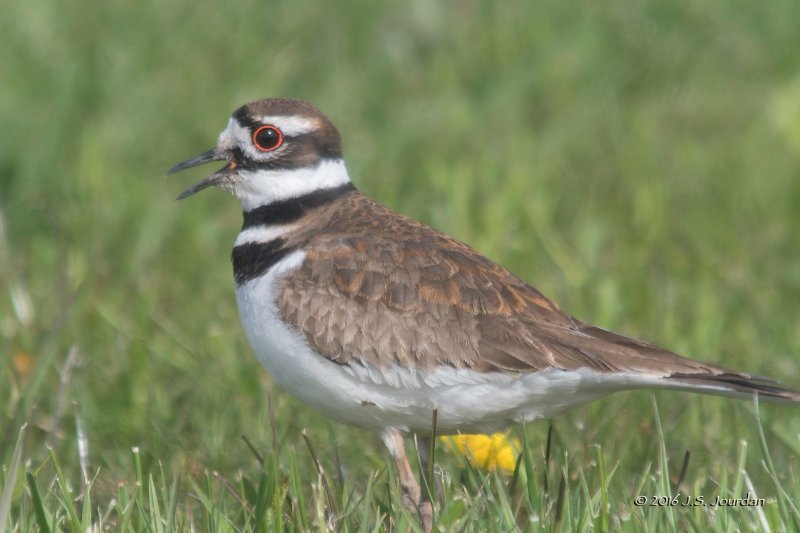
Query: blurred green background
639,162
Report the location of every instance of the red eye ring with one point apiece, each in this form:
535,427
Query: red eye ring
267,138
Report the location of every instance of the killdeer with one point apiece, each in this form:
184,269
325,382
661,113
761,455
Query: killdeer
377,320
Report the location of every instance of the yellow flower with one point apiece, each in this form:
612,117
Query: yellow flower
490,452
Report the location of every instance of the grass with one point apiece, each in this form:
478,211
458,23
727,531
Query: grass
636,161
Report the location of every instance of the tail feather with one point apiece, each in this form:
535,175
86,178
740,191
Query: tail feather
670,370
735,384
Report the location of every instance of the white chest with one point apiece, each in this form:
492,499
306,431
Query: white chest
289,359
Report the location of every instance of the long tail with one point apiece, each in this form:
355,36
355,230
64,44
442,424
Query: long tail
664,369
735,385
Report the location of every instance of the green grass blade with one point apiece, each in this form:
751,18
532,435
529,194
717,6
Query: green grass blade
11,479
38,508
789,511
529,472
601,465
664,485
67,499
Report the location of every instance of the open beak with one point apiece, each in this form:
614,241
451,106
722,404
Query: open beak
214,179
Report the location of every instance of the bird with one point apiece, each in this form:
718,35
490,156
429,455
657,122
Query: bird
378,321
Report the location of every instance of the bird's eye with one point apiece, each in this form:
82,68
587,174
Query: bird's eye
267,138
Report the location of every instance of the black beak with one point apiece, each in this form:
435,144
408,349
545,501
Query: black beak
214,179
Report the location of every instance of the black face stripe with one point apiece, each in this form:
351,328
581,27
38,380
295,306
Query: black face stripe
245,120
292,209
297,151
252,259
312,141
290,158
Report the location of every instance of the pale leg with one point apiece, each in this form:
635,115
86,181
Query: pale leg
425,504
411,490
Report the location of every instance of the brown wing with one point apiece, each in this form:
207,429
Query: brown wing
382,288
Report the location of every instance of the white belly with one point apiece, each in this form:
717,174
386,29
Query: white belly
403,399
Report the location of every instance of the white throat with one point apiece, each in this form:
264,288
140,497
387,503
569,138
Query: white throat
255,188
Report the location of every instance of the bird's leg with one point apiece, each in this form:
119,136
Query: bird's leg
428,481
411,491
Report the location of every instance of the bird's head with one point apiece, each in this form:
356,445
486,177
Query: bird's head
275,149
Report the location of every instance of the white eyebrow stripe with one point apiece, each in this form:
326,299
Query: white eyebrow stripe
292,125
